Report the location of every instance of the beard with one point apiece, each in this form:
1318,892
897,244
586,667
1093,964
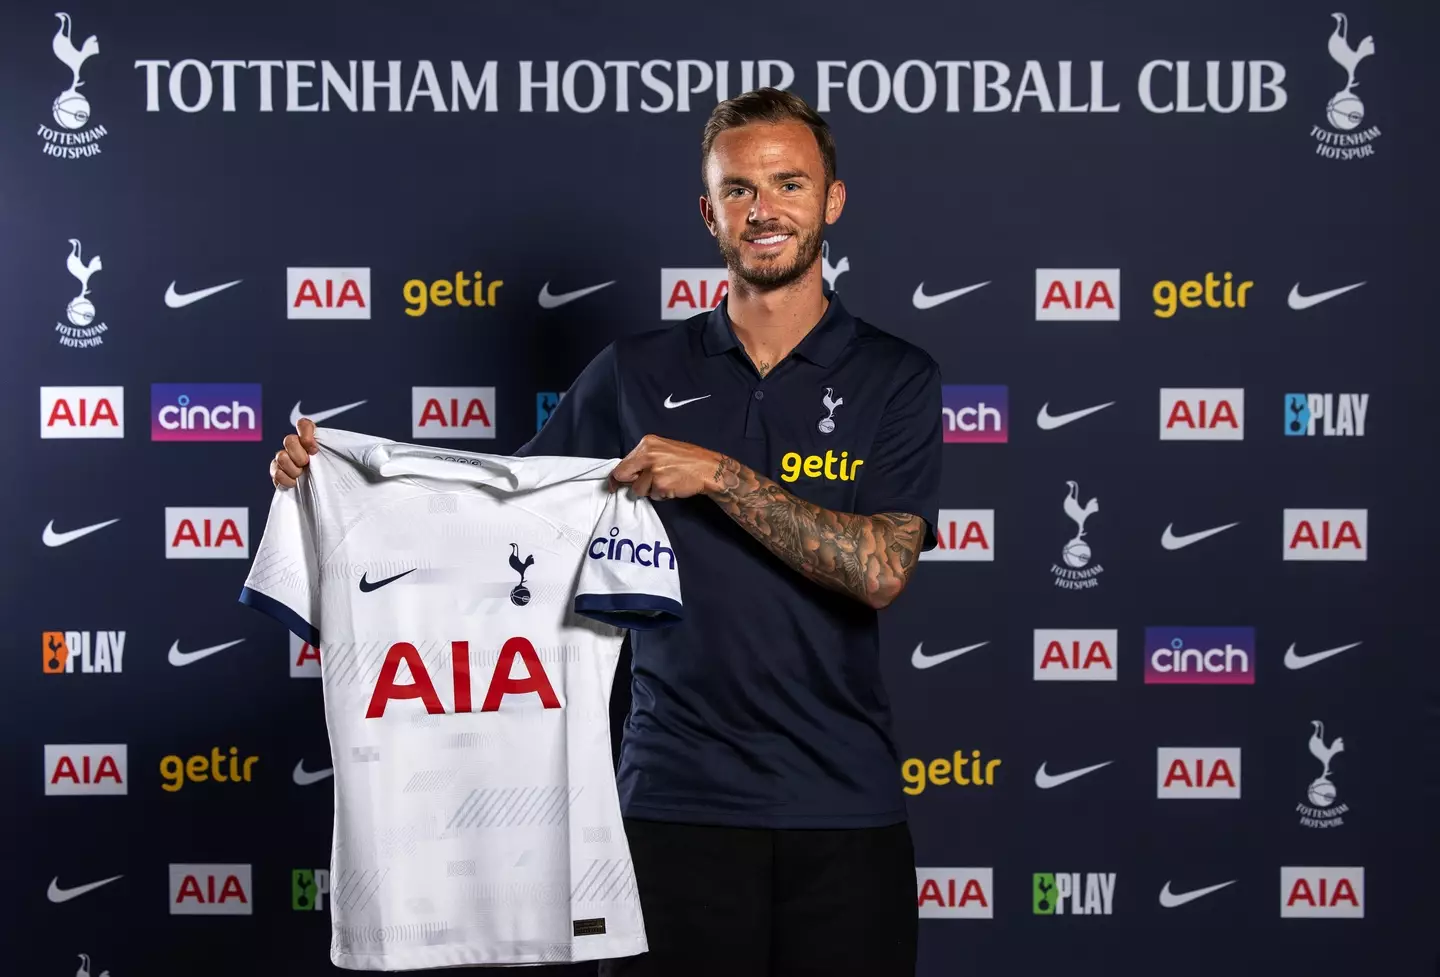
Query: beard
769,272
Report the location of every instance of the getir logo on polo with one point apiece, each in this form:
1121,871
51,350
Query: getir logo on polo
963,770
955,893
304,659
1197,773
1224,292
1091,294
463,291
205,412
1328,892
82,412
1076,654
963,534
689,291
97,768
221,768
1199,656
210,890
1202,414
1326,534
207,533
328,293
830,466
68,652
452,412
975,415
1073,893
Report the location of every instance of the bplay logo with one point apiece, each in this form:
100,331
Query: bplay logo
207,533
1197,773
975,414
1326,534
86,652
327,293
961,771
452,412
1088,294
955,893
304,659
205,412
1202,414
1345,113
91,769
685,292
82,412
308,889
545,403
1199,656
463,291
78,137
1225,292
963,534
1076,654
1329,892
1326,414
210,890
1073,893
228,768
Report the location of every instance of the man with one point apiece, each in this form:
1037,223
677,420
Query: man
796,451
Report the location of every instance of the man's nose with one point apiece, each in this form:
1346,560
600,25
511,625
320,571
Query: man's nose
761,210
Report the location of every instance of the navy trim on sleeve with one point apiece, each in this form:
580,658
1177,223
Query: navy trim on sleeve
638,612
300,627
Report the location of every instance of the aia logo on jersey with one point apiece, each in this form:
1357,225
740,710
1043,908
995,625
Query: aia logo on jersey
67,652
304,659
1198,773
205,533
210,890
1076,654
688,291
1326,534
82,412
101,768
1202,414
452,412
964,534
501,683
1077,293
955,893
1322,893
328,293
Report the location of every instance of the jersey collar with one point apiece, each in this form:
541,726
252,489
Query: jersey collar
388,459
822,345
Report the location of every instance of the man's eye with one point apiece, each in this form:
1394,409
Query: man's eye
792,186
735,190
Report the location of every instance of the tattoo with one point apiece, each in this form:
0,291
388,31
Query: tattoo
764,368
870,558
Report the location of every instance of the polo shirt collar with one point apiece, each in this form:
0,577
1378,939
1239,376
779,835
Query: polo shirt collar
822,345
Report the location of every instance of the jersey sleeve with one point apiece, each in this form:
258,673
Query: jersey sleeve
628,577
284,579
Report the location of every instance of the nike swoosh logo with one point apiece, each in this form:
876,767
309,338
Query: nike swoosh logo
178,300
51,538
1299,302
179,658
57,894
366,586
1046,421
548,301
672,404
1170,899
921,660
923,301
305,777
320,416
1294,661
1170,541
1045,780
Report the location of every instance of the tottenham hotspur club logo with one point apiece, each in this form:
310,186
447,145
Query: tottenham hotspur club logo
1322,812
83,329
71,110
827,423
1345,112
1077,574
520,595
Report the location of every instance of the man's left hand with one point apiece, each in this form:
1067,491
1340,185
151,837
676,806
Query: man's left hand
659,468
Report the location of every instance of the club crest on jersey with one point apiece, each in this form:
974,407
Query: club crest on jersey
629,551
827,423
520,595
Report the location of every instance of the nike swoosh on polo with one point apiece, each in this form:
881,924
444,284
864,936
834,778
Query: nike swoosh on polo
320,416
51,538
548,301
1170,899
57,894
1294,661
672,404
1170,541
921,660
1046,421
180,658
1045,780
366,586
1299,302
305,777
923,301
178,300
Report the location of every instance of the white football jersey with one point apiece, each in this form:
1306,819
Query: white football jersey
469,611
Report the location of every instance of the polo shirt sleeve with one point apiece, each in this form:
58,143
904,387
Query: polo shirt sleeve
902,473
586,422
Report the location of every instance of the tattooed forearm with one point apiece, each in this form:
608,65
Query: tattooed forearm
868,557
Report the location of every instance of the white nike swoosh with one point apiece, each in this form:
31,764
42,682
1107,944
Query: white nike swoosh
1298,301
320,416
1170,541
548,301
305,777
672,404
921,660
1170,899
1045,780
1046,421
178,300
51,538
57,894
179,658
923,301
1294,661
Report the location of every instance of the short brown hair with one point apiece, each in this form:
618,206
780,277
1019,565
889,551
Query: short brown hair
768,105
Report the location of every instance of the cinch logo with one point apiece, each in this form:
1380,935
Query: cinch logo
82,412
1085,894
205,412
963,771
308,889
328,293
463,291
501,683
1199,656
1322,893
793,465
1339,415
96,651
975,415
688,291
229,768
101,768
452,412
1197,773
1326,534
963,534
1193,295
629,551
955,893
1202,414
304,659
207,533
1076,655
1077,293
545,403
210,890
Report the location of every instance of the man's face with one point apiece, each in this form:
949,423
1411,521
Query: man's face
767,203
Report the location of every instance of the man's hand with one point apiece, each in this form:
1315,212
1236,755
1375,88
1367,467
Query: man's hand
291,460
659,468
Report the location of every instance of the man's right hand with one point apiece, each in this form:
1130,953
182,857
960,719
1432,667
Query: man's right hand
291,460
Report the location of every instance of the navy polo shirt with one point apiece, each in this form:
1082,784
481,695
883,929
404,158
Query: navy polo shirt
764,706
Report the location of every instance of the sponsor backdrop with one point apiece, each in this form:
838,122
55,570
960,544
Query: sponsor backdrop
1163,695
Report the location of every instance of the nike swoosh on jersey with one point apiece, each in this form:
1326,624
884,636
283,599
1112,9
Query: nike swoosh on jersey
1046,421
922,301
51,538
1045,780
366,586
178,300
305,777
1170,541
921,660
57,894
1299,302
548,301
1170,899
320,416
1294,661
672,404
180,658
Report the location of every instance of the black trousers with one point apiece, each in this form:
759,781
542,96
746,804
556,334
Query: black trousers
753,902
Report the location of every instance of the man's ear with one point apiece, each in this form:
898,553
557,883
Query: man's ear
834,201
707,213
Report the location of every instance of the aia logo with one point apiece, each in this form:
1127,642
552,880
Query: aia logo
1326,534
964,534
206,533
328,293
1091,294
1196,773
535,681
452,412
210,890
1076,655
1322,893
93,769
955,893
1202,414
689,291
304,658
82,412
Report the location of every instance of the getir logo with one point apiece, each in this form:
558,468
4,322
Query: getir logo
97,768
688,291
962,771
1212,293
82,412
1327,414
1073,893
68,652
207,533
1322,893
452,412
1202,414
1198,773
328,293
465,292
955,893
205,412
829,466
210,890
1199,656
975,415
1076,655
229,768
1077,293
964,534
1326,534
304,659
534,681
308,889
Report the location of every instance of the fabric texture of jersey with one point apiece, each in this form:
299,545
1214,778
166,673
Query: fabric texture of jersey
469,611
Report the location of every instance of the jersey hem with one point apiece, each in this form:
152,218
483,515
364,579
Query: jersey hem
268,605
639,612
753,819
473,956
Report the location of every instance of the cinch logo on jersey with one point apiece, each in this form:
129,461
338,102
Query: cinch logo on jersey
545,403
1198,773
963,534
1199,656
1213,293
976,415
1344,111
1073,893
229,768
304,659
82,412
210,890
962,771
688,291
328,293
71,110
1202,414
955,893
1326,534
620,549
1338,415
101,768
1322,893
1077,293
462,291
1322,811
308,889
205,412
829,466
452,412
206,533
1076,655
501,684
96,651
